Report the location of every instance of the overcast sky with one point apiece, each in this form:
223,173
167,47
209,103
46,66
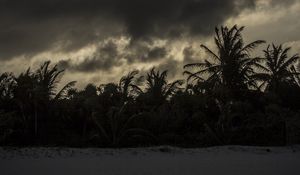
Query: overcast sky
100,40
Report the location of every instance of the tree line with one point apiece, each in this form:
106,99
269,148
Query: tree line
230,97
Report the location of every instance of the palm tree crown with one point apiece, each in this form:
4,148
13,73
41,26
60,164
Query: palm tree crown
276,67
128,85
158,87
230,65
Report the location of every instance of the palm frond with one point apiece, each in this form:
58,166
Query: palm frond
253,45
194,65
211,53
289,62
193,76
63,92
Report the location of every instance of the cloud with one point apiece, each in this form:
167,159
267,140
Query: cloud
104,57
112,37
146,54
157,52
280,2
172,66
273,21
190,54
33,26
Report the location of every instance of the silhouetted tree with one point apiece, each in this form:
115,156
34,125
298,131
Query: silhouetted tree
276,67
229,67
35,90
129,85
231,99
157,89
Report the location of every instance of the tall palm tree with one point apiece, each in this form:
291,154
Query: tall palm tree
230,65
276,67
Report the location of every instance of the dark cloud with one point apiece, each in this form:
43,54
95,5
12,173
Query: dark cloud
19,37
172,66
32,26
157,52
145,51
64,64
147,54
164,18
104,58
190,55
280,2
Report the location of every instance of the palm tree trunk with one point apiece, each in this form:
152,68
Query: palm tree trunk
25,123
35,120
286,135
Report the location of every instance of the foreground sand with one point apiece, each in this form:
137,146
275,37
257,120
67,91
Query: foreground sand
164,160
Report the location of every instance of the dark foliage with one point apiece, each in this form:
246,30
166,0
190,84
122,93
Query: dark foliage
233,99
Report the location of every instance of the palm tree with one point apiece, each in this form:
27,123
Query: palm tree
129,85
66,91
24,97
7,106
126,89
276,67
47,81
230,65
39,88
279,75
157,86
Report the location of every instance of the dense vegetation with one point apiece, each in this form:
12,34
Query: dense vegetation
228,98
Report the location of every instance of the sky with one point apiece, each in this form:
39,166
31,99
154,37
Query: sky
98,41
